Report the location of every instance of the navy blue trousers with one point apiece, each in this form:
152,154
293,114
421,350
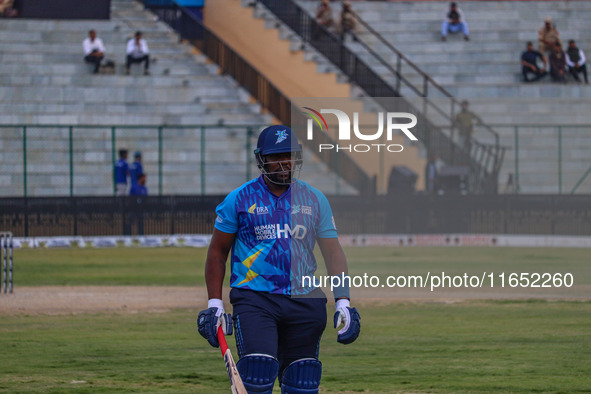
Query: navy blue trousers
280,326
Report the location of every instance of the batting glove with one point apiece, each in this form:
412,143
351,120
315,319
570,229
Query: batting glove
350,318
211,318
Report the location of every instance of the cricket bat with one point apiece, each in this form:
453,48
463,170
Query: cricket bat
235,381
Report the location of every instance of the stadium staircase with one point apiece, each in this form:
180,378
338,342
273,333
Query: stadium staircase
485,71
296,22
44,81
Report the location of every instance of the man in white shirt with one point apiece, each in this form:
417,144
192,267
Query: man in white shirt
94,50
575,60
137,52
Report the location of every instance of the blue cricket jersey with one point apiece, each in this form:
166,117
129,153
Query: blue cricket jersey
135,169
121,170
138,190
275,236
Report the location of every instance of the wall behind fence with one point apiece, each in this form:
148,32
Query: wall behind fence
46,161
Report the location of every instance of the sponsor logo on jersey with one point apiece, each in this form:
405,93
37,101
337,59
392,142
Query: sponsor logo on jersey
278,231
306,210
219,220
259,210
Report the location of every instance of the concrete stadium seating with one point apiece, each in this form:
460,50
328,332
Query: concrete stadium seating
44,81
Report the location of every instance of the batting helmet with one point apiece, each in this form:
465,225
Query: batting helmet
275,140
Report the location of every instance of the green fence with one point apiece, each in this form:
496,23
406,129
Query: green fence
57,160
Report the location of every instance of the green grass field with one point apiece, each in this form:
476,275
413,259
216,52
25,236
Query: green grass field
434,346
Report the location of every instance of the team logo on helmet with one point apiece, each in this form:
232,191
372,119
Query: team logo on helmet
281,136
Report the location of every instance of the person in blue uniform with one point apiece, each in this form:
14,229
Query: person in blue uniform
271,225
120,173
139,189
135,168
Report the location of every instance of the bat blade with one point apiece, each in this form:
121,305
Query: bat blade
235,381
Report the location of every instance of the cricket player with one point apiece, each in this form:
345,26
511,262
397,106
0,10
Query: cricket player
271,225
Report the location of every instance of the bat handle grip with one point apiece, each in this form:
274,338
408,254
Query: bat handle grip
222,340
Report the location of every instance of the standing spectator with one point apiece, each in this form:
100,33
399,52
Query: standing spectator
136,168
138,52
547,37
431,174
94,50
465,120
529,63
558,64
347,21
324,17
121,172
454,22
575,59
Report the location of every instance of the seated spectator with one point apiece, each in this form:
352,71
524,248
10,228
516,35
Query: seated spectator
94,50
138,52
558,64
324,17
347,21
575,59
547,37
529,64
454,22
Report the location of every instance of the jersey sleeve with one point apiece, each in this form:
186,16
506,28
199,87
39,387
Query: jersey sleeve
227,217
326,225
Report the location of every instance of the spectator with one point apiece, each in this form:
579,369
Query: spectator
575,59
136,168
558,64
324,17
138,52
529,63
547,37
465,120
139,189
347,21
94,50
121,172
454,22
431,174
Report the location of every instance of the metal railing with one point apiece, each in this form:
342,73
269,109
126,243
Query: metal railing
357,70
231,63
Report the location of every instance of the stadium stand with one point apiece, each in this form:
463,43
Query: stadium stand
486,71
44,81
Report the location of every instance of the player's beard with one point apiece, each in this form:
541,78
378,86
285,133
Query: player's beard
280,177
